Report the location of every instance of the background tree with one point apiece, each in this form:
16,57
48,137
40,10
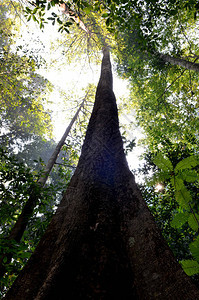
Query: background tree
21,223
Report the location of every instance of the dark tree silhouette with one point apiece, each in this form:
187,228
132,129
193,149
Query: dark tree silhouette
103,243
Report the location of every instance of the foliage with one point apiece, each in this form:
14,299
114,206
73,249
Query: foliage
150,20
162,204
48,197
182,178
17,181
37,11
22,98
13,192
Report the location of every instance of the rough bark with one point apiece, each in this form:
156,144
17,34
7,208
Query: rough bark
27,211
103,243
189,65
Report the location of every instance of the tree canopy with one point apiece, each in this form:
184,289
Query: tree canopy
155,47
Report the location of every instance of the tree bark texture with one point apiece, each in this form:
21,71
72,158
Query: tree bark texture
102,243
189,65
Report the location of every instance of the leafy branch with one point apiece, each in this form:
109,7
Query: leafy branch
184,171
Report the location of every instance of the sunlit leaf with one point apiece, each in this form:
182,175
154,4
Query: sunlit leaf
163,162
187,163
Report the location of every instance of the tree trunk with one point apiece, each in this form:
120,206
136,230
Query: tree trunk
102,243
27,211
189,65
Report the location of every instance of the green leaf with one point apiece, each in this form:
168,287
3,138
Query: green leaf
157,178
87,7
194,248
108,21
163,162
187,163
66,29
193,221
183,197
34,18
28,10
191,267
59,21
105,15
54,15
179,220
34,10
177,183
190,175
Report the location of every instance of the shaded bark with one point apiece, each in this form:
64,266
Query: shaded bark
27,211
103,243
189,65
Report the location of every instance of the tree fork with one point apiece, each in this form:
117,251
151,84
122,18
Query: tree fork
103,242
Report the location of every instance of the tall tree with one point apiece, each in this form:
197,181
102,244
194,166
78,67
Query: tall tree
103,242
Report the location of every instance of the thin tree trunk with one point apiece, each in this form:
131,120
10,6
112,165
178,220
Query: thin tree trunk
102,243
189,65
42,180
27,211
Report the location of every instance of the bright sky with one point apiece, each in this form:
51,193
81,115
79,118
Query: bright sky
70,78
